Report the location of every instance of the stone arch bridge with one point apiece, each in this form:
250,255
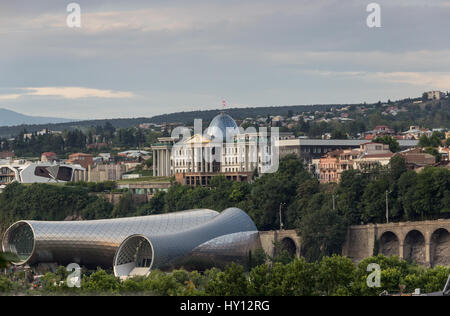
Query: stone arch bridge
426,243
288,240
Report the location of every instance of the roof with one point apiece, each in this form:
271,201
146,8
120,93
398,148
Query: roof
48,154
6,154
332,142
198,139
80,155
385,155
351,142
222,125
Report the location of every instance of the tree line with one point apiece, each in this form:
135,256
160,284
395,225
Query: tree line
331,276
70,141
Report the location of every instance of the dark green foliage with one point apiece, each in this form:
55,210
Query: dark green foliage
435,140
6,258
231,282
322,232
49,202
75,139
332,276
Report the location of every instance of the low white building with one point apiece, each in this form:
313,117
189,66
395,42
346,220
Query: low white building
40,173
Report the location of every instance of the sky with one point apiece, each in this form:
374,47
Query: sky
147,57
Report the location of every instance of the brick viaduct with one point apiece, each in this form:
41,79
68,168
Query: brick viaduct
426,243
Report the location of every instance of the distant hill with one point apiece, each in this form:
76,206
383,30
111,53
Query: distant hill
178,117
11,118
239,113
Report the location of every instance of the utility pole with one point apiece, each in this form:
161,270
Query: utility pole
334,202
281,220
387,207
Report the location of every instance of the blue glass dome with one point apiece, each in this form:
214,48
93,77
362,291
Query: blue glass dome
221,125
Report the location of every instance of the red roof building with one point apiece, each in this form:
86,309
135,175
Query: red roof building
48,157
84,160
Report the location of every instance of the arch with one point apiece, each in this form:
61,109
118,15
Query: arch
19,239
414,247
440,247
288,244
389,244
134,257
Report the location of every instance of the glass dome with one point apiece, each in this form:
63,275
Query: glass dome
221,125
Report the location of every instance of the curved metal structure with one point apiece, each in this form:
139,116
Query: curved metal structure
91,243
228,237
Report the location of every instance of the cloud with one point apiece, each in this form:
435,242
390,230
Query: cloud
9,96
78,92
418,61
177,55
429,80
68,93
424,80
163,17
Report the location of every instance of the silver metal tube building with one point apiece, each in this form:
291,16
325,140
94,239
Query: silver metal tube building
228,237
91,243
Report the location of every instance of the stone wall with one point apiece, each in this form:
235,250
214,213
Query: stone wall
288,238
426,242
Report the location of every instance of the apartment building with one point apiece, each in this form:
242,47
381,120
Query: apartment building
369,155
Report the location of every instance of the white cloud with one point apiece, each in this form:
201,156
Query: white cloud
196,15
9,96
363,60
428,80
77,92
424,80
68,93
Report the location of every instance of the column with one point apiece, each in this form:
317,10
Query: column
164,163
154,163
201,159
192,158
168,161
160,163
210,159
428,254
401,254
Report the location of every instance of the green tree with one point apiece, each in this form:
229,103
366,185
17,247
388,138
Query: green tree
231,282
397,167
101,282
322,232
335,275
125,206
6,258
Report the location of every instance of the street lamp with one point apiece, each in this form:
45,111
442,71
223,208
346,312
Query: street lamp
387,206
281,220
